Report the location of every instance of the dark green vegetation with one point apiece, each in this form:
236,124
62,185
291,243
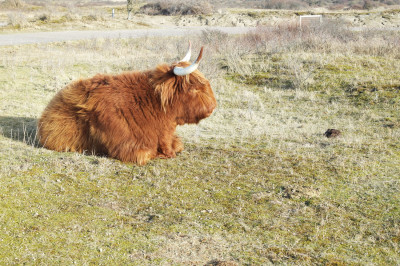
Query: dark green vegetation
257,183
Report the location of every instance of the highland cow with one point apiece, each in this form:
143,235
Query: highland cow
131,116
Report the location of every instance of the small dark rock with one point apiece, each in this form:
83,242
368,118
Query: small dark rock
389,125
221,263
332,133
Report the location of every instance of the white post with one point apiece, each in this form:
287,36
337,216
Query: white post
310,20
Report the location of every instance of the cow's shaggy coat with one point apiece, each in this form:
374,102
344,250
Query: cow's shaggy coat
131,116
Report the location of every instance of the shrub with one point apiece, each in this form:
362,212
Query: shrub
17,20
44,17
13,3
173,8
93,17
285,4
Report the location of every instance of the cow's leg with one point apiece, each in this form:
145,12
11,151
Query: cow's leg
177,144
166,151
128,151
166,146
143,156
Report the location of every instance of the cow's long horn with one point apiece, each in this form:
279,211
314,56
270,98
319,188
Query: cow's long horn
188,54
183,71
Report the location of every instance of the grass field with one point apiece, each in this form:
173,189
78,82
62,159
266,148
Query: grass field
257,183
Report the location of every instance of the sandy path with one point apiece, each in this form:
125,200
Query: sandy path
45,37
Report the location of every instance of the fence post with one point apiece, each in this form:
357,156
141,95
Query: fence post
310,20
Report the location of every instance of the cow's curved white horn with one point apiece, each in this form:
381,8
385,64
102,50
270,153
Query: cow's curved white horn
188,54
183,71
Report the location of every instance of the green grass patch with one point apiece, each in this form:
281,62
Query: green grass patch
361,79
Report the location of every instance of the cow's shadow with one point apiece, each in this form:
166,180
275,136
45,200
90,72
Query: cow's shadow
23,129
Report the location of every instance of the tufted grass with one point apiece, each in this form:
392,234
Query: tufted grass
257,183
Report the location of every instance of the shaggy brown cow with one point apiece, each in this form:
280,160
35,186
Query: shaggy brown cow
131,116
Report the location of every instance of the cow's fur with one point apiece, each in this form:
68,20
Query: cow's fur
131,116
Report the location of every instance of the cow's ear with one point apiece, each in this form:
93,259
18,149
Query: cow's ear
166,90
164,83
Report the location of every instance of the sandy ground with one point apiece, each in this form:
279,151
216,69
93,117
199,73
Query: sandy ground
252,18
255,18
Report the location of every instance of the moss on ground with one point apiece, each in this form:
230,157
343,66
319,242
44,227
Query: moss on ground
361,79
67,208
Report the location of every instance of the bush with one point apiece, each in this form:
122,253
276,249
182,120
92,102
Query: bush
173,8
13,3
44,17
285,4
17,20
